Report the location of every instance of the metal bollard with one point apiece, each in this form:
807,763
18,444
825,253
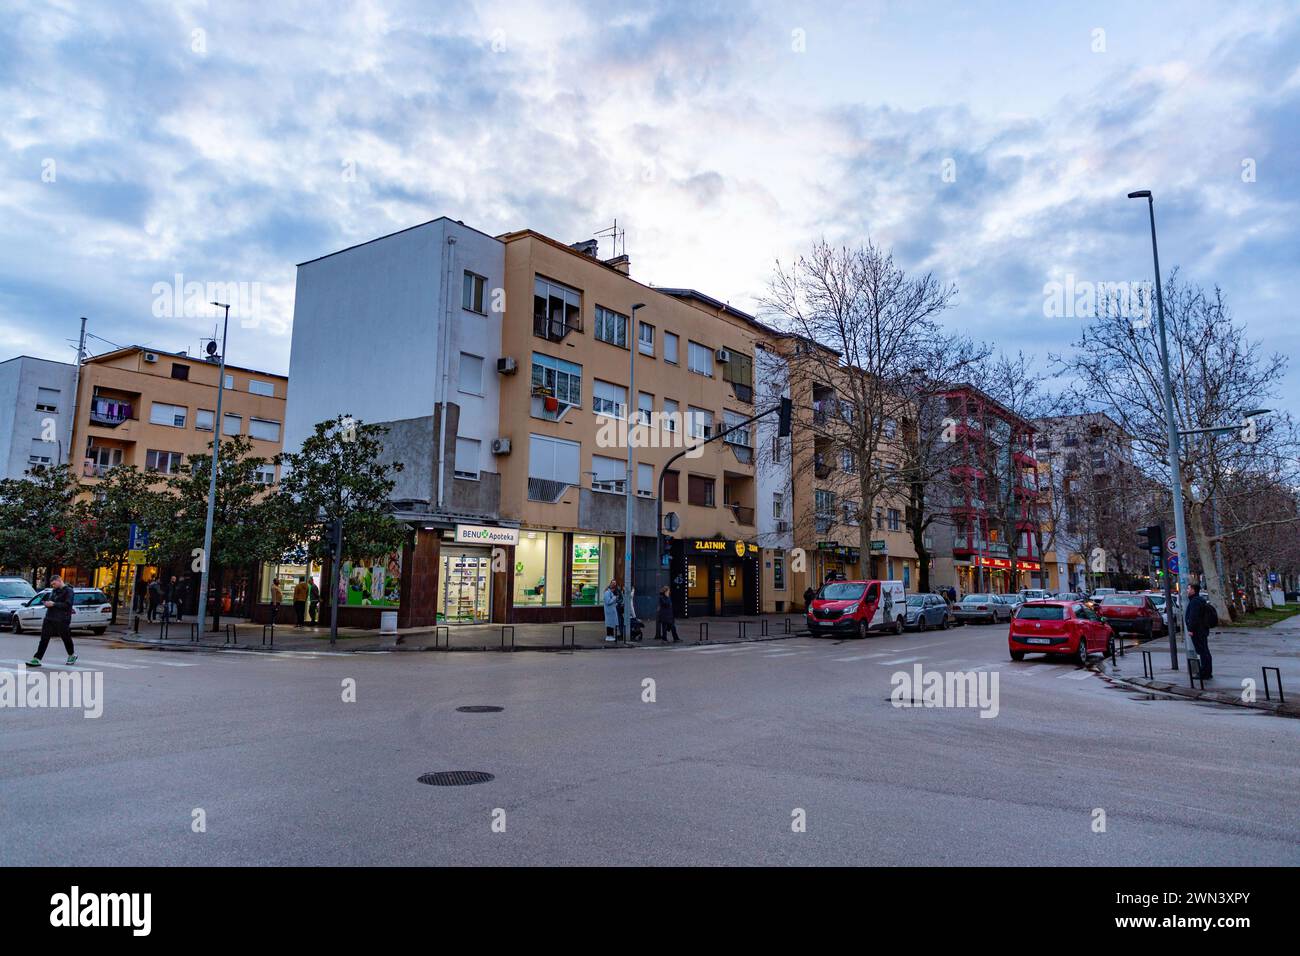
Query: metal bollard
1148,668
787,625
704,632
194,633
232,634
573,636
271,628
1267,695
763,631
440,630
504,628
162,629
1194,672
742,628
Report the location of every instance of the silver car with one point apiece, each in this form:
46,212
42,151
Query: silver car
984,608
14,593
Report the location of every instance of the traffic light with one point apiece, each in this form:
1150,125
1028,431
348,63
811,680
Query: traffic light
1152,539
783,418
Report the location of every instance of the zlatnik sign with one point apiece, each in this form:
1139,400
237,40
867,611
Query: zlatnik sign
482,534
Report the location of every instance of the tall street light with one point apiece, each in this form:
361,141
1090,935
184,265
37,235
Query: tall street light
212,478
1171,426
633,346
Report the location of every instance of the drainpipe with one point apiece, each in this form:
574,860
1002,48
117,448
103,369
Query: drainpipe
444,363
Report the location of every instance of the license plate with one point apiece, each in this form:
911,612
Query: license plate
1037,640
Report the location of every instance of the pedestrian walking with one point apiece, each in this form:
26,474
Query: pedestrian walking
809,595
169,599
179,594
300,592
313,602
58,621
664,619
1200,617
612,614
155,597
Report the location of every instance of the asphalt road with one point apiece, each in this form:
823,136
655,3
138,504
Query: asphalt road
738,739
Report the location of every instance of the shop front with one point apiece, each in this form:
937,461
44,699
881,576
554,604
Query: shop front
715,577
844,562
989,574
562,575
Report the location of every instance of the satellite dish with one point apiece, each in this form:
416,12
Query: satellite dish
212,347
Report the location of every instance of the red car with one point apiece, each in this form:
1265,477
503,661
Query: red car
858,607
1059,628
1132,612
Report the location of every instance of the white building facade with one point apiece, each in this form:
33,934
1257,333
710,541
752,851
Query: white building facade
36,397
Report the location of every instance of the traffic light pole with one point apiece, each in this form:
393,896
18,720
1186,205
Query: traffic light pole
336,565
1155,545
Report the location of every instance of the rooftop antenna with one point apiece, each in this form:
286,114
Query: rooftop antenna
618,237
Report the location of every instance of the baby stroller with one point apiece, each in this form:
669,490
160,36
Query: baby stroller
635,629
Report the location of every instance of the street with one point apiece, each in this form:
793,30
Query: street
264,752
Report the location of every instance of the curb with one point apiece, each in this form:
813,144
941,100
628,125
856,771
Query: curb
1277,708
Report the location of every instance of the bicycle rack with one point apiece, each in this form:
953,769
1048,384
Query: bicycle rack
1267,695
704,633
504,628
572,642
1148,668
265,628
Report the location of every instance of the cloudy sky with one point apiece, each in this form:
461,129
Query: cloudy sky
990,143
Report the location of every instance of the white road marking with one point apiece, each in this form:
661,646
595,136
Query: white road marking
136,660
115,666
856,657
1077,675
902,660
782,654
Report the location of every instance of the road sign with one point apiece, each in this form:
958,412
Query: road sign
135,556
671,522
137,538
1171,545
1173,564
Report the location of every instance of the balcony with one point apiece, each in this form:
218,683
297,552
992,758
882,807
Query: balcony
822,468
743,514
109,412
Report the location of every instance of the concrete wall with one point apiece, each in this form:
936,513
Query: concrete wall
21,422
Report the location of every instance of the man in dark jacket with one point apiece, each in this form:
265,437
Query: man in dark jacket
155,597
58,621
1200,618
665,621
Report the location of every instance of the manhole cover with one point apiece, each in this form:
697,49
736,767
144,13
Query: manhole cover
455,778
480,709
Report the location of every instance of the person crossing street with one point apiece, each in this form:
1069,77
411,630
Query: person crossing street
58,621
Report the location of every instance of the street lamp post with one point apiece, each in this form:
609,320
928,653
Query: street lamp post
633,346
212,478
1171,426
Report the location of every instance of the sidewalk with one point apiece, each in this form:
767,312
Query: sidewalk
1239,653
580,635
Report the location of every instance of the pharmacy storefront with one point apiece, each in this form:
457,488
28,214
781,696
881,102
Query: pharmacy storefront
561,575
465,575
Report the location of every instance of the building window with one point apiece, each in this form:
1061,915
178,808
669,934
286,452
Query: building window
880,520
42,452
264,474
47,399
230,381
180,371
231,424
895,520
848,462
778,505
539,569
609,474
891,428
672,414
471,374
611,326
778,570
645,479
170,415
261,388
670,347
558,378
776,449
204,419
645,405
608,399
557,309
553,466
264,429
473,292
700,490
735,433
850,509
163,462
700,359
671,490
824,507
645,338
592,568
700,422
467,458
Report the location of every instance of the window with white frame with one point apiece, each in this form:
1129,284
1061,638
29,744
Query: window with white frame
467,450
204,419
848,462
42,452
735,435
645,405
700,359
778,505
473,293
891,428
608,399
171,415
230,381
645,338
560,378
776,449
264,429
164,462
700,422
895,520
611,326
261,388
645,479
553,459
849,509
471,374
264,474
610,474
670,347
672,414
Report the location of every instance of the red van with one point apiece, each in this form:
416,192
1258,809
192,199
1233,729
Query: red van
858,607
1067,629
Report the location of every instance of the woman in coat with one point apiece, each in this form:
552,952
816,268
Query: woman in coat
611,601
664,619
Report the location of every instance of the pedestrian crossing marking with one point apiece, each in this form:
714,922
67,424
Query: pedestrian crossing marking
901,660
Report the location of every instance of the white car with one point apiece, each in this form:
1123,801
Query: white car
91,610
14,593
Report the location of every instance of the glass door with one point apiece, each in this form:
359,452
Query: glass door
466,588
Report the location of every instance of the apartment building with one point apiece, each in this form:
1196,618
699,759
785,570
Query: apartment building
36,397
405,331
994,495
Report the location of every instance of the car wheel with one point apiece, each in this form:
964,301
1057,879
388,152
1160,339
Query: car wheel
18,625
1017,655
98,630
898,626
864,629
1081,655
920,623
943,623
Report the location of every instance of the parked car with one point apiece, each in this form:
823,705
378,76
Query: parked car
858,607
1158,599
91,611
14,593
1035,594
1057,628
1134,613
988,608
925,611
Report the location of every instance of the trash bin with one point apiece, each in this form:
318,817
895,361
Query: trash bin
387,622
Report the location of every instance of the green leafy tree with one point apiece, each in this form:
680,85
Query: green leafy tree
36,513
336,474
124,497
247,521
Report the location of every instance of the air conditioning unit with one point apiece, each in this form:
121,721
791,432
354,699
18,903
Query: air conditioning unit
507,365
501,446
151,356
723,356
